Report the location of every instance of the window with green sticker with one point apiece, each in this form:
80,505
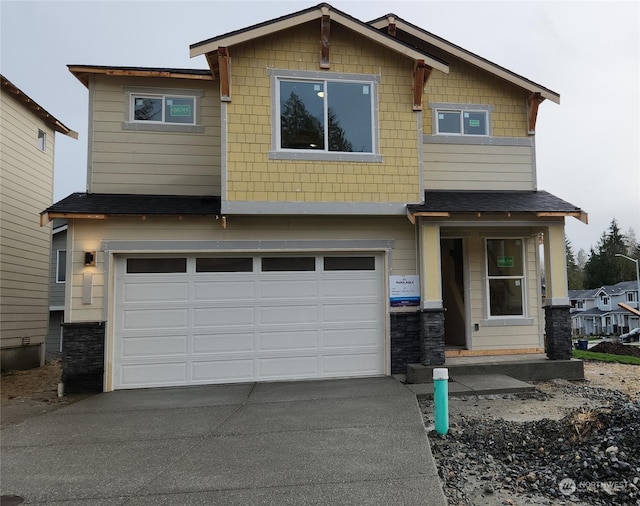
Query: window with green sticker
505,277
463,121
163,109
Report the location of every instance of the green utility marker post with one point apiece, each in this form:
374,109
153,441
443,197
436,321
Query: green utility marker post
441,400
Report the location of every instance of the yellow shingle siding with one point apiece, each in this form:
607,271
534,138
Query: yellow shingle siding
466,84
251,176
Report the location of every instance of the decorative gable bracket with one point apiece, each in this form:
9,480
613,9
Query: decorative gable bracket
421,74
533,102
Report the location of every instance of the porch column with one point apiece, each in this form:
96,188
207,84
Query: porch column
557,314
432,312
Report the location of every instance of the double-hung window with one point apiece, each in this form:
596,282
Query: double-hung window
505,277
321,117
461,119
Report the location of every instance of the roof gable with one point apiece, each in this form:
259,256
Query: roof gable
394,23
314,13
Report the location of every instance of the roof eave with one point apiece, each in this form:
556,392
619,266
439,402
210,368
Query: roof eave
81,72
37,109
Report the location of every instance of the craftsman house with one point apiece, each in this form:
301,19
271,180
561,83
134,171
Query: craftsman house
598,312
27,141
330,198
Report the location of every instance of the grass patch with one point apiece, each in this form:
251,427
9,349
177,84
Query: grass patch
606,357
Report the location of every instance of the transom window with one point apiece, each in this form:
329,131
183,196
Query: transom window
505,277
163,109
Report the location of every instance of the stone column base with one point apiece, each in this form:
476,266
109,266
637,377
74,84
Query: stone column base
405,341
83,357
432,337
558,332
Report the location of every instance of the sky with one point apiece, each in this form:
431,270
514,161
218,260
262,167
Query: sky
587,148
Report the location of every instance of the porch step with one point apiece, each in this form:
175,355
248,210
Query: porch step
523,368
475,384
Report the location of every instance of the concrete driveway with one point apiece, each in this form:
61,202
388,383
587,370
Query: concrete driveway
356,441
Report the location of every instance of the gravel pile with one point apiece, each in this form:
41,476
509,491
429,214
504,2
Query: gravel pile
616,349
591,456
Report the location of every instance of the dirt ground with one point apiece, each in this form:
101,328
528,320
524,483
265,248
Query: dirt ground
24,394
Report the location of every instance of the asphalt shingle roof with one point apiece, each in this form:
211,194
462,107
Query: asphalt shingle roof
130,204
488,201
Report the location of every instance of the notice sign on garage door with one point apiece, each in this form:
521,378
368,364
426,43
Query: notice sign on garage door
404,291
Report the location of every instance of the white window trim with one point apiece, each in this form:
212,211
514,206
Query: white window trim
41,140
130,123
278,153
58,266
461,108
523,278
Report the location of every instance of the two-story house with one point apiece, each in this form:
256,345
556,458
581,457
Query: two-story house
27,141
597,311
331,198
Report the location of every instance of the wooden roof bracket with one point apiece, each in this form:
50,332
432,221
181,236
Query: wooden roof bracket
212,61
534,100
421,74
325,32
225,75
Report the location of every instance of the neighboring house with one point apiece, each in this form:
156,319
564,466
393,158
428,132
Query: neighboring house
597,311
27,134
330,198
57,281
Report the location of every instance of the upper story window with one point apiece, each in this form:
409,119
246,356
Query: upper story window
461,119
163,109
166,110
320,116
505,277
41,141
605,300
61,266
580,304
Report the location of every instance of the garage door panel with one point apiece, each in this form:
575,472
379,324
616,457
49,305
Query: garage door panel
221,290
155,319
289,367
289,314
288,340
351,338
352,365
292,288
139,375
145,346
155,292
350,287
222,371
365,312
224,316
223,343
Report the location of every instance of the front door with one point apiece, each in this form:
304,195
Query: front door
451,254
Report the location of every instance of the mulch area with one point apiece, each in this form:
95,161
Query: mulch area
617,349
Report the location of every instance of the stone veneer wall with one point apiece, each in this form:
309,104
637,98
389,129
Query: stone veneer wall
558,332
83,357
405,341
432,336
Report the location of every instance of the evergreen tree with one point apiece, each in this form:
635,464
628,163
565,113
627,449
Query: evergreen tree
603,266
574,273
298,127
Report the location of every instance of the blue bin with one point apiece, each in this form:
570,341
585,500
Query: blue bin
583,344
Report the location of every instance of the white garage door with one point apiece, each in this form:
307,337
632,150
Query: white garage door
199,320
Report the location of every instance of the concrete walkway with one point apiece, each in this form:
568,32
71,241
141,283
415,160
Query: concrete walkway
358,441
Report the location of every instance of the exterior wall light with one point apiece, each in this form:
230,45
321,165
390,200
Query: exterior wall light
89,258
